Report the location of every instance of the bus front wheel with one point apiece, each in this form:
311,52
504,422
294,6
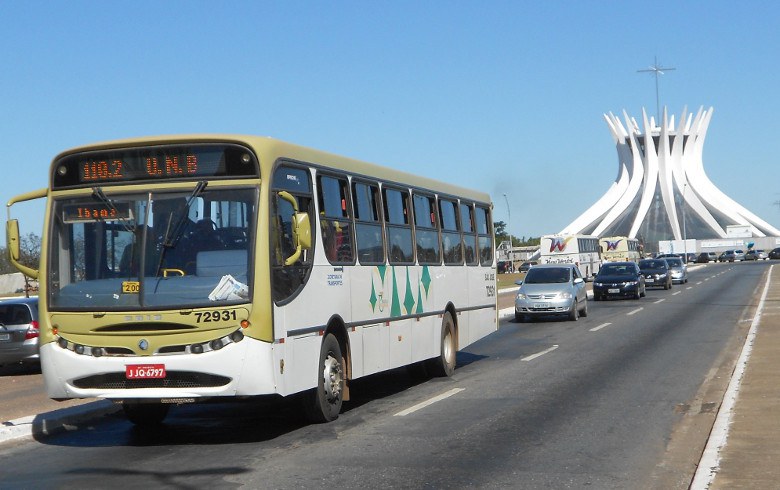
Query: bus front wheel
145,414
444,364
323,403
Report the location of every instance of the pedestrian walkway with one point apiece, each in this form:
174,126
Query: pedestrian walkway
744,446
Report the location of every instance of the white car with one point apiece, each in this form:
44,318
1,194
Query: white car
551,289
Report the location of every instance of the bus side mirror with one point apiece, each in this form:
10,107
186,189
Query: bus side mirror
14,248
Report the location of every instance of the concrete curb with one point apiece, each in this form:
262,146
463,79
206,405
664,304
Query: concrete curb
49,423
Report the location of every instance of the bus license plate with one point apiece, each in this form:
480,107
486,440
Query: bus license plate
145,371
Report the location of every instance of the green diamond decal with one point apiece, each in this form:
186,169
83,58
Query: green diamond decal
409,296
382,269
426,280
372,298
395,307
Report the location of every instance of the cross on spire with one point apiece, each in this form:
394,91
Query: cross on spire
656,70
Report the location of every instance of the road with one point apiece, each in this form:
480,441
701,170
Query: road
624,398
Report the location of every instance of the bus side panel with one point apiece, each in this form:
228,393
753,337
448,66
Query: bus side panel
374,351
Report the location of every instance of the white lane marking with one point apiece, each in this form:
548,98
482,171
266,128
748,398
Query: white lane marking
659,301
689,287
595,329
710,461
706,278
698,283
676,293
430,401
635,311
539,354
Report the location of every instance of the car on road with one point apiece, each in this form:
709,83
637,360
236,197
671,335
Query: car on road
678,269
756,255
731,256
706,257
619,279
656,272
551,289
19,330
774,253
527,265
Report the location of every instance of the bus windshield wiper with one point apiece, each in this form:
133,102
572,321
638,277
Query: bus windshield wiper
178,228
98,194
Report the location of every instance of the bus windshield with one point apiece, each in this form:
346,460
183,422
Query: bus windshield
152,250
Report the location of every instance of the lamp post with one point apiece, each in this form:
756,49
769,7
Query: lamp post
509,232
685,235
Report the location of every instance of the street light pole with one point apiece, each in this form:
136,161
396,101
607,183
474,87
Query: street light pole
509,232
685,235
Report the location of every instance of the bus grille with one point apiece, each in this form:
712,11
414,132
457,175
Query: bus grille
173,379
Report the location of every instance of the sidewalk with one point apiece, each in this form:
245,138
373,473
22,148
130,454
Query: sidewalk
744,446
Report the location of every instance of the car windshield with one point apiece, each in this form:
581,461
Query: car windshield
674,262
150,250
616,270
546,275
652,264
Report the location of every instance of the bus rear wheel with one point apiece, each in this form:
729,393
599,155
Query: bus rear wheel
323,404
444,364
145,414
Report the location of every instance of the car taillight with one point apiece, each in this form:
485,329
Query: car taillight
32,331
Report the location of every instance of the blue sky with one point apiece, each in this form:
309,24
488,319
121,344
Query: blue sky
505,97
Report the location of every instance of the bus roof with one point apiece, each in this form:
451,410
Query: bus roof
270,149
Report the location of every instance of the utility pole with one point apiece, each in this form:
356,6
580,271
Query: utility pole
509,232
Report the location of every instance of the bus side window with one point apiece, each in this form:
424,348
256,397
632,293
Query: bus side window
368,224
450,232
469,237
399,230
485,236
425,229
286,280
335,219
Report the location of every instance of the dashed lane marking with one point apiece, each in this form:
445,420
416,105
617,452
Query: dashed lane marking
428,402
539,354
596,329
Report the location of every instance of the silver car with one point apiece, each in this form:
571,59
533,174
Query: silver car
19,330
679,270
551,289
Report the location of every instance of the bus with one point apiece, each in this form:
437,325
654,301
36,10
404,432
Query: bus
179,269
582,250
620,249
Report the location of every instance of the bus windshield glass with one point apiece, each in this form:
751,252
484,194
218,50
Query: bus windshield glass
152,250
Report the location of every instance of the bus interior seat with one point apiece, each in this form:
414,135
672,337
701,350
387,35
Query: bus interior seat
214,263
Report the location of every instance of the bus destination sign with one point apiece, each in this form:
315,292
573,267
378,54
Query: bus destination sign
156,163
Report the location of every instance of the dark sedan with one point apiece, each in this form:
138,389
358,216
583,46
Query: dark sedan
657,273
619,279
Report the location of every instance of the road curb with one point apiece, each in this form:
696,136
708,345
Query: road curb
49,423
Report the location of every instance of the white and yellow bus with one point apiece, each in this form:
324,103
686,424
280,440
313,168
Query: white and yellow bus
177,269
582,250
620,249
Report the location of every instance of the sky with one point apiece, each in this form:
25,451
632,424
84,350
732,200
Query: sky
506,97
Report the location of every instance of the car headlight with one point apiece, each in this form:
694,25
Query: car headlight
597,284
565,295
521,296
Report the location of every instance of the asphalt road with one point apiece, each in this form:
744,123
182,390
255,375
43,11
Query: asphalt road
624,398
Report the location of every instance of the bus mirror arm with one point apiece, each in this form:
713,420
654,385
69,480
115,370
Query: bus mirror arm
301,229
12,236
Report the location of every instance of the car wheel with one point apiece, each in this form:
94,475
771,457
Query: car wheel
574,313
584,311
638,294
644,291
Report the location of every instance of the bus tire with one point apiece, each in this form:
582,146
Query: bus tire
323,404
444,364
146,414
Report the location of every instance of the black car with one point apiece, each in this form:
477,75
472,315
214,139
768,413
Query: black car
657,273
619,279
775,253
